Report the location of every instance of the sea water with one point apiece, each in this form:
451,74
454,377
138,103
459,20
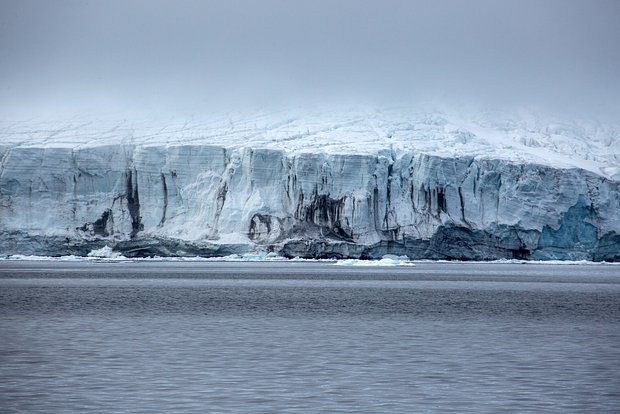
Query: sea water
299,337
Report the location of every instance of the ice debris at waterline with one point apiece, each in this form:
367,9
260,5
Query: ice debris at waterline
387,260
105,252
347,185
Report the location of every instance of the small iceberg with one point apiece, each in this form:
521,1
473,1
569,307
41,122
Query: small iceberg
387,260
105,252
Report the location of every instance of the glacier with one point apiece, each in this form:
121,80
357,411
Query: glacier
354,184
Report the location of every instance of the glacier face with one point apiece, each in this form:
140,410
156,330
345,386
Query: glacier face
178,198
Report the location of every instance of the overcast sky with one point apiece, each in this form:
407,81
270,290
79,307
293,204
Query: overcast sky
187,56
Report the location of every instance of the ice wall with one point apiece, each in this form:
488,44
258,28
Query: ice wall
210,200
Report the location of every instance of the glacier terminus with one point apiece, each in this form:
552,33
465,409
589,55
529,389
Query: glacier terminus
330,184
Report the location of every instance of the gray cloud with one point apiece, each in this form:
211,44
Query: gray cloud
184,56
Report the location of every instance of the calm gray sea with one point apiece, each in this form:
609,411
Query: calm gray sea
181,337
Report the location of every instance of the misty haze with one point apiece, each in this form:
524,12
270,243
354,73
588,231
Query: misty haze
72,57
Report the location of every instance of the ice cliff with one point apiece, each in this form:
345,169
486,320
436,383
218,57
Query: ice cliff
355,185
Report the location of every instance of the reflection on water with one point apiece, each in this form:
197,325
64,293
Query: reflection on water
338,343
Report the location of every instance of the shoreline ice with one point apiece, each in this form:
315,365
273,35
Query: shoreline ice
388,261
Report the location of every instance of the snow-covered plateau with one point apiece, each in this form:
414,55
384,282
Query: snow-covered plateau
325,184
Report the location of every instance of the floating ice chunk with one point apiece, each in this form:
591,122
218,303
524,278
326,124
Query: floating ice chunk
261,256
105,252
387,260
